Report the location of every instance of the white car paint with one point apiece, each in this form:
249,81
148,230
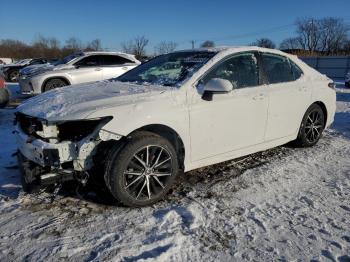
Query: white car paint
232,125
33,82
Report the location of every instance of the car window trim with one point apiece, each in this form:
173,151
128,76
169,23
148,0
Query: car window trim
116,65
254,52
302,72
98,61
264,71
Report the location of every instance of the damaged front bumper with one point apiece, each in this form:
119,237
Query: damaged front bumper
49,160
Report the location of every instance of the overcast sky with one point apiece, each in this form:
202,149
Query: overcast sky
223,21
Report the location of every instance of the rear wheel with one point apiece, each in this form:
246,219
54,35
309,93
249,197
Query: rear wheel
54,83
311,127
143,171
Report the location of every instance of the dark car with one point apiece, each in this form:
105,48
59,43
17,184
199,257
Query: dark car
11,71
4,93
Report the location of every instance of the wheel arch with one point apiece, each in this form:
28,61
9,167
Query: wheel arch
167,132
54,77
324,110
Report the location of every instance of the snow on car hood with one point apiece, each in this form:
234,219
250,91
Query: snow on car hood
79,101
36,69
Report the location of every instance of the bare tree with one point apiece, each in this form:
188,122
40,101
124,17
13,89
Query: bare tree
309,33
94,45
290,43
333,35
140,44
264,42
137,46
128,47
165,47
73,44
208,43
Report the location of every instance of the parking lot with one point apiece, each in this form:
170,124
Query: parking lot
281,204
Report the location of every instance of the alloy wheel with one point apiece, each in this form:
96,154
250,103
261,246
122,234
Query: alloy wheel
148,172
314,126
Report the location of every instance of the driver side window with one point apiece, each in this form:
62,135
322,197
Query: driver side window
241,70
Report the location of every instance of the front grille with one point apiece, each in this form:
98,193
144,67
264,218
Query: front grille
29,125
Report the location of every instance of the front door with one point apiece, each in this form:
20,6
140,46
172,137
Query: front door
233,120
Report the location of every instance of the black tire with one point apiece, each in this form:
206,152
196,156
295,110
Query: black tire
311,127
13,75
148,183
29,184
4,97
347,84
54,83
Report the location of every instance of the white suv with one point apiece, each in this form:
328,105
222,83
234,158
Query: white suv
178,111
77,68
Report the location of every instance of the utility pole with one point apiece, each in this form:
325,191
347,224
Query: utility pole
192,42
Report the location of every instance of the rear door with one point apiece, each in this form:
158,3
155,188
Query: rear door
289,96
114,66
88,69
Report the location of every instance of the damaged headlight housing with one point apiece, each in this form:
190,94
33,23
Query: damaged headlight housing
76,130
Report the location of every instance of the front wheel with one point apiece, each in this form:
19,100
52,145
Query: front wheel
143,171
54,83
311,127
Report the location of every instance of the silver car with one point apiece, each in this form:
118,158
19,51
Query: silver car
77,68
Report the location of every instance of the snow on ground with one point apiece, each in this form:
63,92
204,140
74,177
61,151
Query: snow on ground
283,204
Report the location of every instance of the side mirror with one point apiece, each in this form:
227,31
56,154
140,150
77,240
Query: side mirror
216,85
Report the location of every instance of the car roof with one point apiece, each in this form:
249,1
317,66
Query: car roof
125,55
235,49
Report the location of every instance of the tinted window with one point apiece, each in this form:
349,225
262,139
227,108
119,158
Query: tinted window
295,70
92,60
114,60
241,70
277,68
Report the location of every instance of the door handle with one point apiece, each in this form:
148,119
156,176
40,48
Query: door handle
259,97
124,68
98,69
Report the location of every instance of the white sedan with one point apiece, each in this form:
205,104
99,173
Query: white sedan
178,111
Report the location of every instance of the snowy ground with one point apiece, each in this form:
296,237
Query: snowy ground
284,204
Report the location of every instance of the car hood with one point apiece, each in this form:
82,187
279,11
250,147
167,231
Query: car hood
79,101
36,69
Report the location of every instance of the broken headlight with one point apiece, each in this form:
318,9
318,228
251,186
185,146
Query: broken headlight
78,129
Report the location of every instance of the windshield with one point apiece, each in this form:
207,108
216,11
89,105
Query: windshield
67,59
23,61
169,69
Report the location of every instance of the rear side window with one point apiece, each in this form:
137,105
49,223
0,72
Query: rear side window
241,70
90,61
110,60
297,73
277,68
